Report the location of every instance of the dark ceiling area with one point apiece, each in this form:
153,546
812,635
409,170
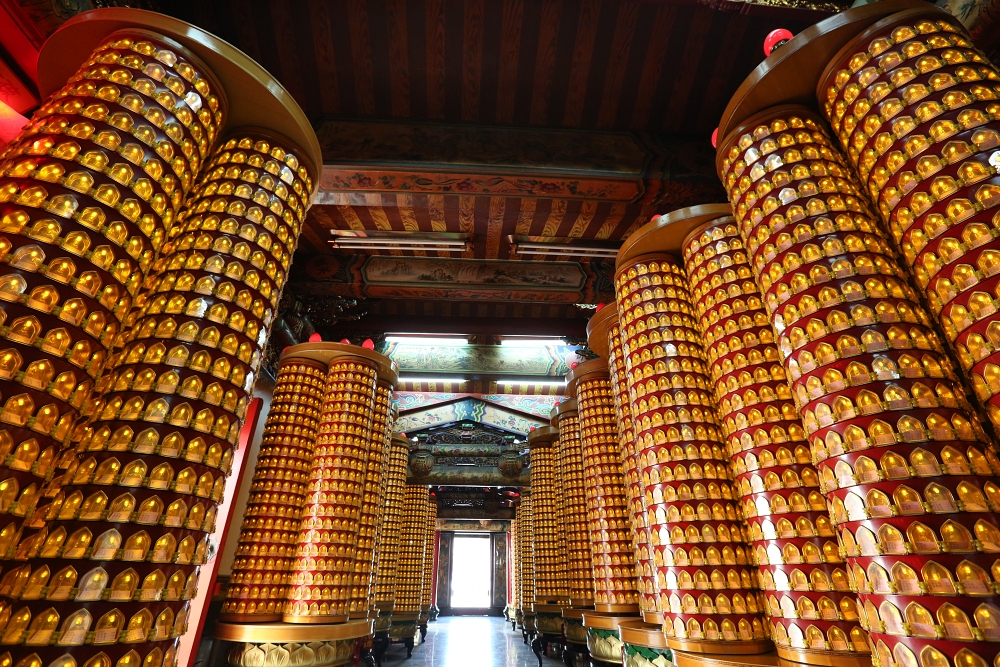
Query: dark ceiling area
557,121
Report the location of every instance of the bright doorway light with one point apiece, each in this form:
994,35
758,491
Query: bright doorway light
471,578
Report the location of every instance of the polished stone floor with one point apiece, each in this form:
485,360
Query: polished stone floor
467,641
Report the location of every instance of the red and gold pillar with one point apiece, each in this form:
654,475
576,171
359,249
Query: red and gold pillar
526,540
706,585
902,458
551,591
391,523
795,548
915,106
607,510
604,338
258,585
373,500
427,578
325,569
412,550
569,466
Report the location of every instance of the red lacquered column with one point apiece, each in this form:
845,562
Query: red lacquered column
706,585
604,338
901,456
569,464
259,582
607,509
794,544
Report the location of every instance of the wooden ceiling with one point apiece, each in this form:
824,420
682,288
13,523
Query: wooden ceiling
662,65
496,118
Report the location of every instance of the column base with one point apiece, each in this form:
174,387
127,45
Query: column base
800,656
304,645
315,620
722,647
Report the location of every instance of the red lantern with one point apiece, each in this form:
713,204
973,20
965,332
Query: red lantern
368,344
315,338
774,39
715,132
345,341
599,306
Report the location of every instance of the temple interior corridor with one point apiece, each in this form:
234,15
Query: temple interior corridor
333,333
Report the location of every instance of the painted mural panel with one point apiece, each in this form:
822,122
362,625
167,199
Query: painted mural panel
550,361
434,278
540,406
469,409
411,400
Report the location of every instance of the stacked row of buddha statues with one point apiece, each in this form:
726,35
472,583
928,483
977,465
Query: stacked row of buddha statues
569,479
147,241
802,458
871,240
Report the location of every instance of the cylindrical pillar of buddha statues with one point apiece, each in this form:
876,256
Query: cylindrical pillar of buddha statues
514,603
138,500
604,338
795,549
427,579
391,523
526,538
551,591
87,194
325,570
706,585
412,549
915,106
607,510
372,499
549,554
569,468
902,458
266,550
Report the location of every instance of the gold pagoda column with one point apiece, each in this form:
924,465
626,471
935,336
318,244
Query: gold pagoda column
427,578
580,571
794,544
92,172
915,106
609,523
694,525
412,550
902,458
162,433
526,538
604,338
551,593
640,639
391,524
514,603
372,501
325,572
569,466
258,584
